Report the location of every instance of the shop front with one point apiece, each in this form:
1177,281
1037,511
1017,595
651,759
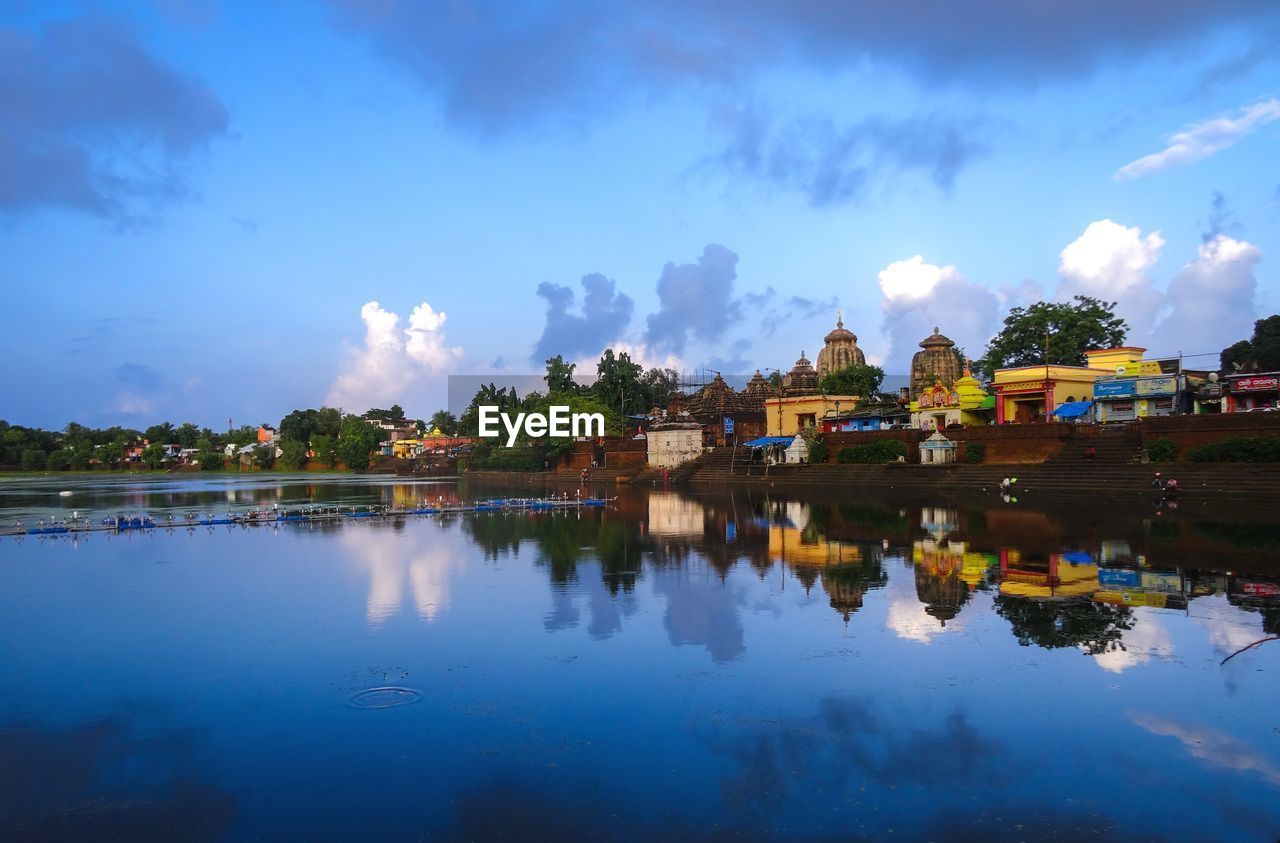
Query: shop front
1025,395
1251,393
1120,399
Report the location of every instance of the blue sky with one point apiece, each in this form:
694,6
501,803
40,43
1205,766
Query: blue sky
200,200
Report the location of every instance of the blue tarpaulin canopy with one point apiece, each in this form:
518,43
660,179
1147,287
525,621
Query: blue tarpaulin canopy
1072,409
766,441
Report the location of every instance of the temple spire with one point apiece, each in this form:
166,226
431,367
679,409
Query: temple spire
839,318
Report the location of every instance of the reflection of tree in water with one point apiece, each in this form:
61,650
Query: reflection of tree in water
846,584
942,592
115,779
1094,627
563,540
874,516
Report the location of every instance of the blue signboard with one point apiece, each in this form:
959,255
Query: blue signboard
728,426
1119,577
1110,389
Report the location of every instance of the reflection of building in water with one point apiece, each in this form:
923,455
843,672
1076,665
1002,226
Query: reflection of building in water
938,521
1255,594
1141,587
805,548
941,591
1045,577
671,514
846,585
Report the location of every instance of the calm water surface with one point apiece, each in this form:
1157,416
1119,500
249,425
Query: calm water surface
743,666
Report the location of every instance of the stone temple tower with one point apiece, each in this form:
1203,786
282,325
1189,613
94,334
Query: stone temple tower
937,363
839,349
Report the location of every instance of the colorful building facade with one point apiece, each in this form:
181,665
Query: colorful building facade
964,402
787,416
1249,393
1027,394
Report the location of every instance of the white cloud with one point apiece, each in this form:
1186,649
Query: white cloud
134,404
639,352
1112,262
392,360
392,559
918,296
1146,639
1202,140
1212,300
1210,303
913,280
1108,258
1217,749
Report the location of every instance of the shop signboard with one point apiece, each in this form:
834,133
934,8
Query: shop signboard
1257,383
1112,389
1158,386
1117,578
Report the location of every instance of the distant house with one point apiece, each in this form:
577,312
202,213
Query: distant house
267,433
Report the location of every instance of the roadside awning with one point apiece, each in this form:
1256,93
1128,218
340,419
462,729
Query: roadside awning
766,441
1072,409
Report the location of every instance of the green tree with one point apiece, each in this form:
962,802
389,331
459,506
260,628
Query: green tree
657,386
187,435
394,413
245,434
294,454
618,383
59,460
110,454
1260,353
162,433
856,379
208,456
1069,328
325,448
443,421
153,455
264,456
356,442
33,459
559,376
81,455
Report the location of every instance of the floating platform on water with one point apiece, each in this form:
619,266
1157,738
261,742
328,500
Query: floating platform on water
310,514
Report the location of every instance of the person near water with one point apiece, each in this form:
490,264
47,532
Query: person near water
1157,482
1090,453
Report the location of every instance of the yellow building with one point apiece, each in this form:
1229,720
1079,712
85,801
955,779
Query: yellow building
1029,393
406,448
787,416
966,402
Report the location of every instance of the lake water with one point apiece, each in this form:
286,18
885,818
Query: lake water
691,667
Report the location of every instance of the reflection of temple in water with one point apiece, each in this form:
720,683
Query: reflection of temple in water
946,572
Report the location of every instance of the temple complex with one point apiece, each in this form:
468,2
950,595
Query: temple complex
758,390
802,403
839,349
803,379
937,363
964,402
726,415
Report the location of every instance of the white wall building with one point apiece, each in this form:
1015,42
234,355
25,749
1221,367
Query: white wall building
673,443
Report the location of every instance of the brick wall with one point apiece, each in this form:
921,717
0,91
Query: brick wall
1191,431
